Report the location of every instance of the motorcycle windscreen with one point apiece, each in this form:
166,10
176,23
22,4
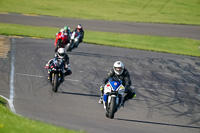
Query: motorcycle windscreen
115,85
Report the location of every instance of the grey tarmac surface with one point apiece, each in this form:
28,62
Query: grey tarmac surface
167,85
167,89
170,30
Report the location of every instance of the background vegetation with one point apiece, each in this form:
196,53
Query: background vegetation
159,11
154,43
152,11
11,123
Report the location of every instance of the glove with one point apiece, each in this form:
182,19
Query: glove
46,67
76,39
66,66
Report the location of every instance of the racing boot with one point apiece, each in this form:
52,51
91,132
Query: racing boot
62,79
126,98
101,98
48,76
68,72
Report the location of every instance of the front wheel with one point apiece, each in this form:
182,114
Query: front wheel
69,46
112,108
55,84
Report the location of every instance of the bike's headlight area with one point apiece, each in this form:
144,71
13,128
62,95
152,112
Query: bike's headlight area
107,88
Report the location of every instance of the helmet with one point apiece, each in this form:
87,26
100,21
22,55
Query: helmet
118,67
79,27
61,52
66,29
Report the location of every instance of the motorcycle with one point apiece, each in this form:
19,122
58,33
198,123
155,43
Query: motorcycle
74,41
56,73
60,40
113,96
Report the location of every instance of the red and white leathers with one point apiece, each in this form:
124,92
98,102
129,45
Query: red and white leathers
62,39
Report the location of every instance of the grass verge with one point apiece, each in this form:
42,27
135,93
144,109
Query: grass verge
162,11
11,123
153,43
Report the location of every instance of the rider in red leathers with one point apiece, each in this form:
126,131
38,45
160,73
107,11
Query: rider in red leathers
62,38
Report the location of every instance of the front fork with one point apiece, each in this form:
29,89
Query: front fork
52,77
107,99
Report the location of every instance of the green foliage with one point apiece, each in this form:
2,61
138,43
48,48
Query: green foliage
30,31
11,123
155,43
159,11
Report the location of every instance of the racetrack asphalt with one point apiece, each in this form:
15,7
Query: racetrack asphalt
167,87
169,30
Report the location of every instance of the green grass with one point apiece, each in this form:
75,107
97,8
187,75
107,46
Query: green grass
11,123
154,43
159,11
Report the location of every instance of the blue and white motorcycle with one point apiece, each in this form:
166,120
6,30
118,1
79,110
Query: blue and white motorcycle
113,96
74,41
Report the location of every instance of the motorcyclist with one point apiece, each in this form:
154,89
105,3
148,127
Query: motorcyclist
62,37
119,72
80,30
61,54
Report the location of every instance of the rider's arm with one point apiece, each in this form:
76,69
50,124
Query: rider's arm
66,59
49,62
82,34
127,80
109,75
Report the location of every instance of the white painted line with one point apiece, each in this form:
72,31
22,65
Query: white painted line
39,76
133,87
29,75
8,100
12,77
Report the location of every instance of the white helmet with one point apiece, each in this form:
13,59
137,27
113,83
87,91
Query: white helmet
118,67
61,52
79,27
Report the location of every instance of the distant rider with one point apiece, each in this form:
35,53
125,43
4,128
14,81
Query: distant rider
119,72
80,30
61,54
62,38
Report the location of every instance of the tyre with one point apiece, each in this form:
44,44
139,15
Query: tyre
55,84
68,47
112,108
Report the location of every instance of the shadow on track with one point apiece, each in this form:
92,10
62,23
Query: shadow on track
80,94
157,123
97,55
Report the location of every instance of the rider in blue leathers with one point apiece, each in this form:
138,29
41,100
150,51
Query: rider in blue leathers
80,30
118,71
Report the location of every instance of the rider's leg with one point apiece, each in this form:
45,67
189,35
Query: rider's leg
130,94
102,92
